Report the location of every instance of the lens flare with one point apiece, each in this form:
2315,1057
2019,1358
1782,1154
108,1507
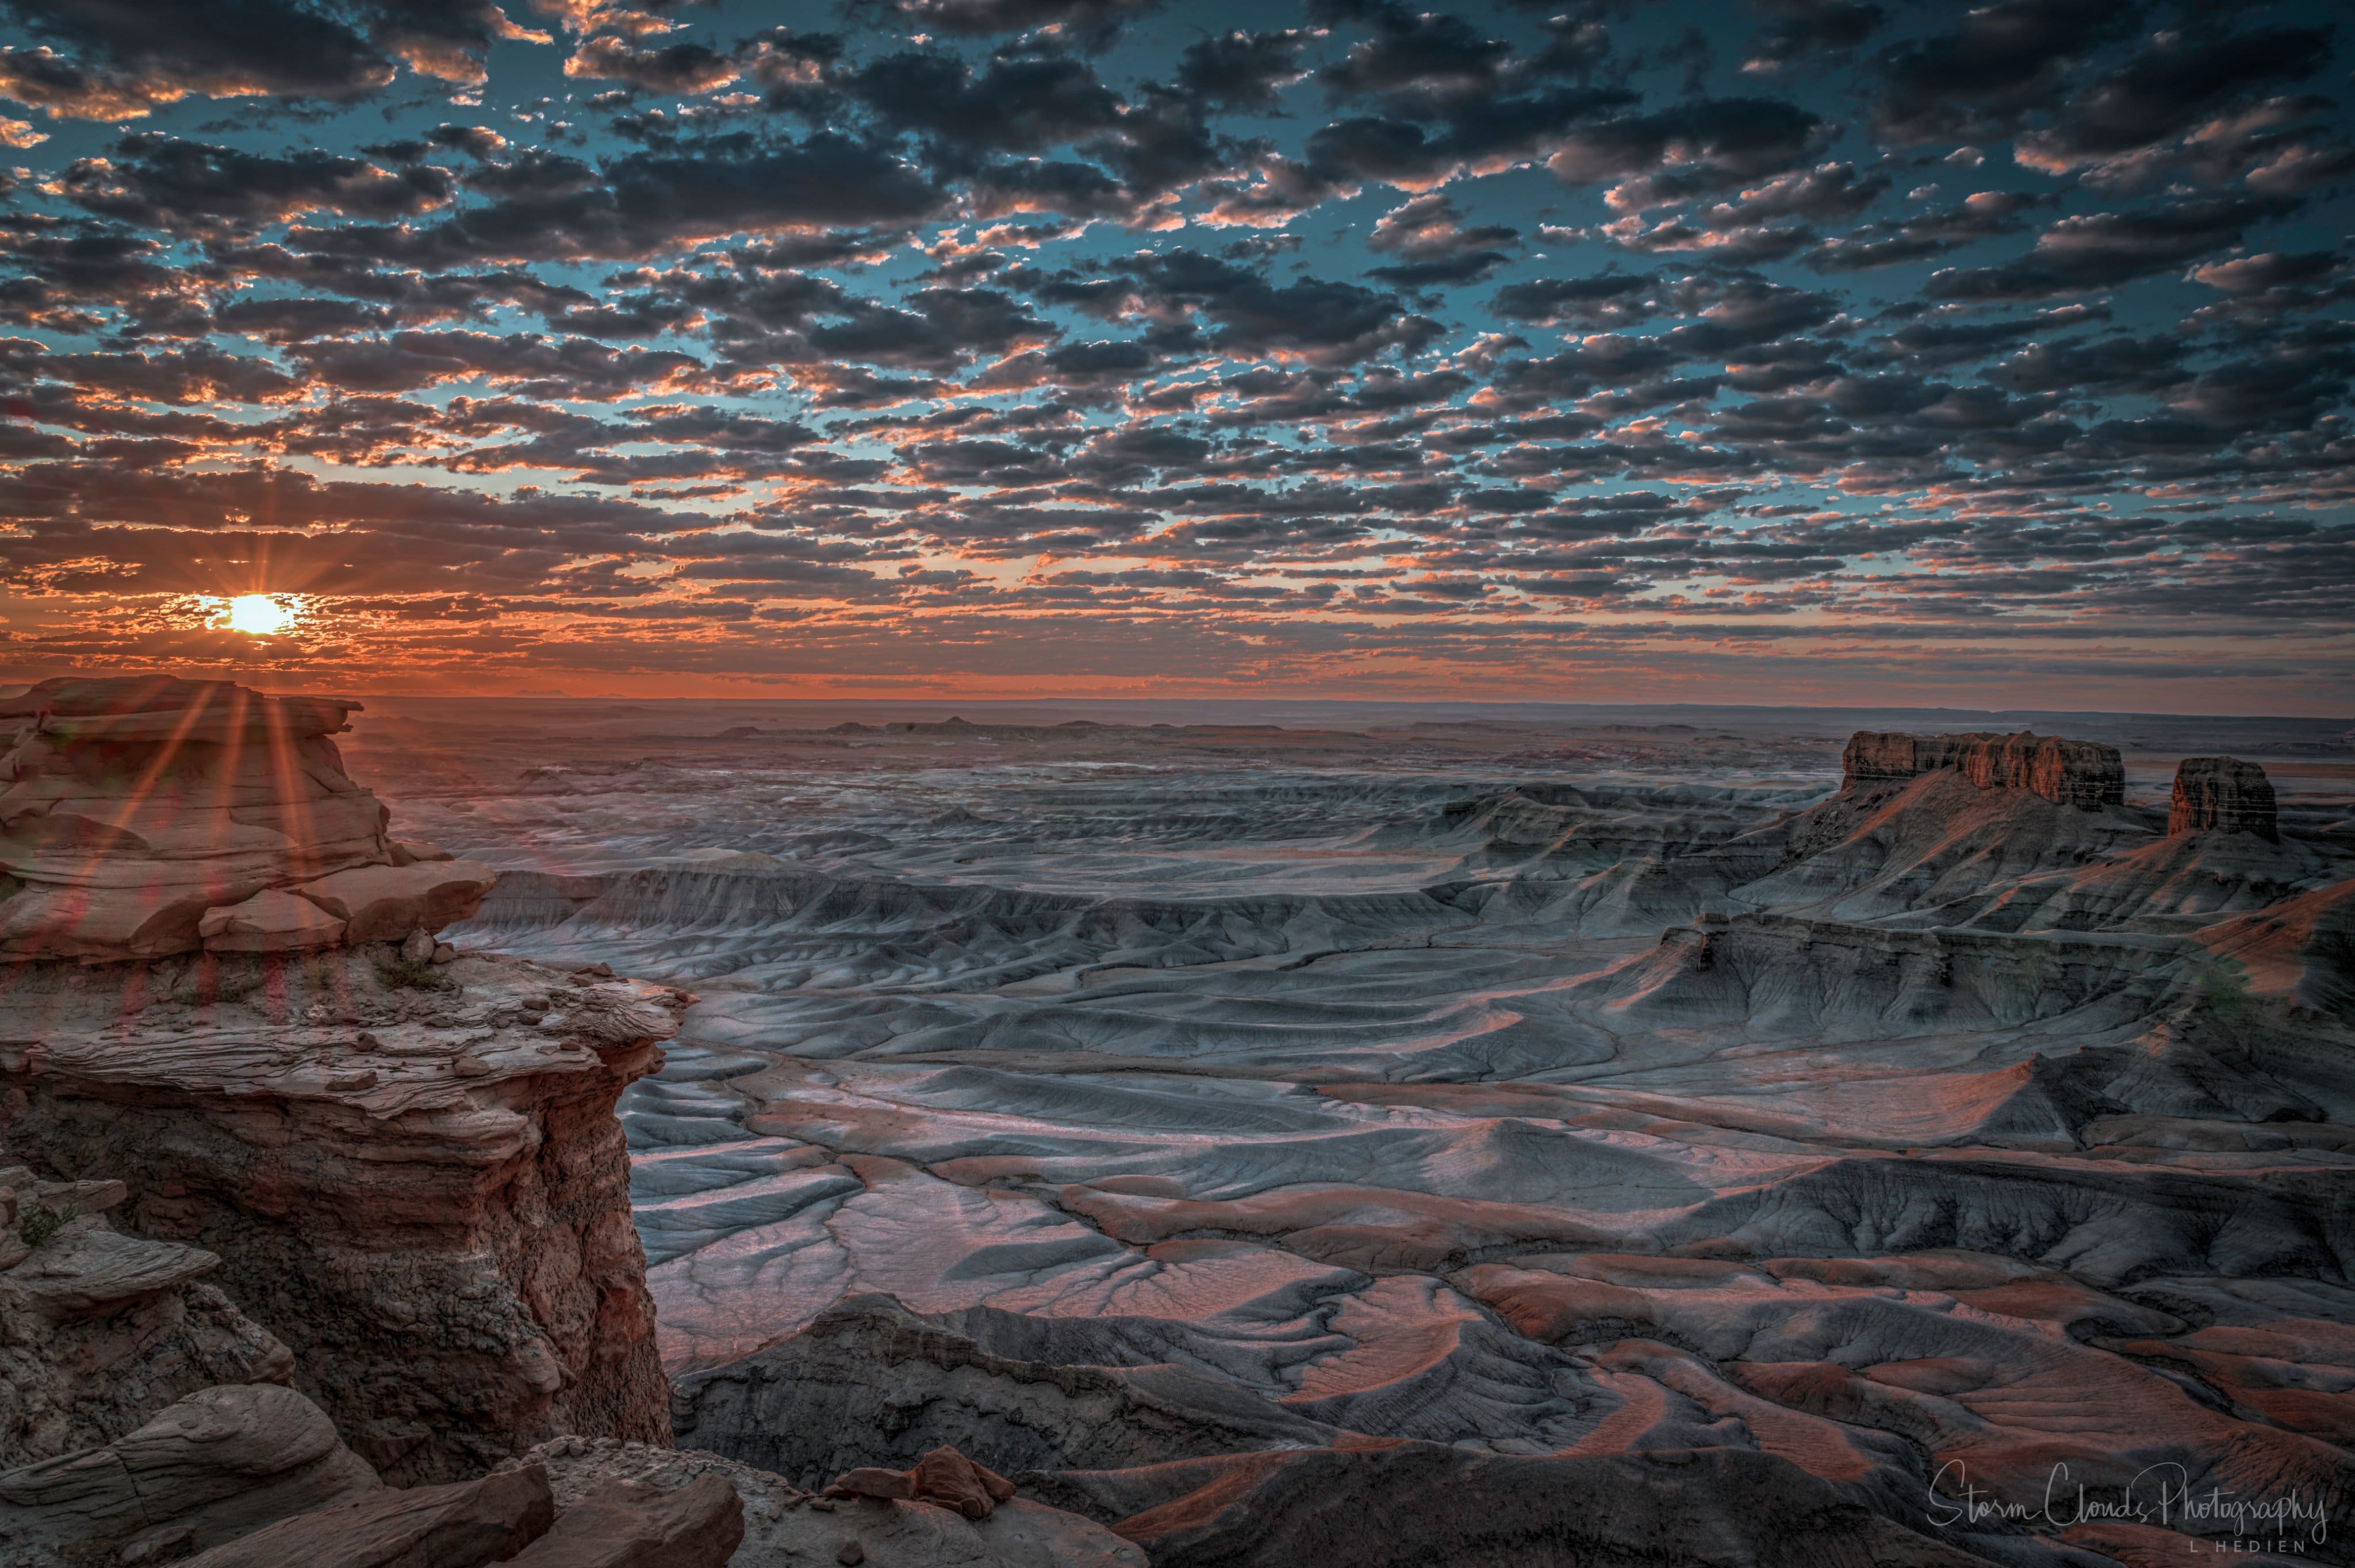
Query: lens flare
259,614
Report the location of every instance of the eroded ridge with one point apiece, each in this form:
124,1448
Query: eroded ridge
1282,1185
240,1072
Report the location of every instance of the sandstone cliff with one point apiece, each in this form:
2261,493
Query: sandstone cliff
224,1015
414,1176
2066,772
143,817
2222,795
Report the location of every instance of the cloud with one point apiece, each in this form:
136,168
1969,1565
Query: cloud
1428,236
1090,20
191,187
2115,128
2099,250
969,329
546,207
120,60
1803,30
1981,80
684,69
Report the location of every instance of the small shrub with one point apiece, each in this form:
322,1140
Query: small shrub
210,979
39,1225
399,974
2224,987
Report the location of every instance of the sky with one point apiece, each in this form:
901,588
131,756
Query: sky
1770,351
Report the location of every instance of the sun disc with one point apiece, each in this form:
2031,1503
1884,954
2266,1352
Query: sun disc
259,615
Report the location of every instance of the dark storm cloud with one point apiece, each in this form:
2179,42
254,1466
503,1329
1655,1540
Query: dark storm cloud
1421,325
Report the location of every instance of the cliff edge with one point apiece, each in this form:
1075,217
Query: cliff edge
2080,773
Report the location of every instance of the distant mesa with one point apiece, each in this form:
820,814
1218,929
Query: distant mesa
2222,795
2080,773
145,816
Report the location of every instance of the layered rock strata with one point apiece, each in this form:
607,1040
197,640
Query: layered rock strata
143,817
414,1175
208,1469
97,1330
2222,795
2067,772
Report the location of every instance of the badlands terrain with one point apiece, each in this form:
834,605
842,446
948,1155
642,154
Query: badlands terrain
1519,1135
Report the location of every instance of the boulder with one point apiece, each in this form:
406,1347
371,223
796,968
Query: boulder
386,903
463,1525
208,1469
699,1525
942,1476
2222,795
270,922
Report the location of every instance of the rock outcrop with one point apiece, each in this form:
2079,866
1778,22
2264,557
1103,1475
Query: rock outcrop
415,1176
942,1476
2222,795
145,816
2067,772
214,1466
784,1526
629,1525
100,1331
462,1524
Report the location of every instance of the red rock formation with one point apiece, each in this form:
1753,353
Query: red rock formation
2222,795
146,816
2068,772
424,1192
942,1476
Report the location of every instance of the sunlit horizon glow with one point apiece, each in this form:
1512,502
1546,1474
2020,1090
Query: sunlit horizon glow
1726,352
259,614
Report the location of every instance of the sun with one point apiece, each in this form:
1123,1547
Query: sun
260,614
